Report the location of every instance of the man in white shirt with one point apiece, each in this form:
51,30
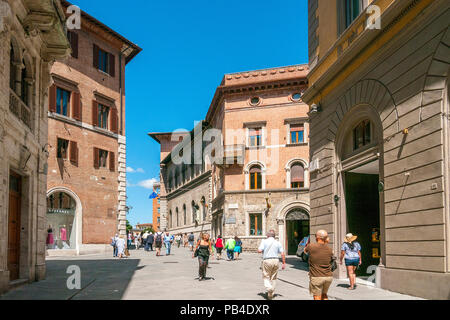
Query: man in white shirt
271,248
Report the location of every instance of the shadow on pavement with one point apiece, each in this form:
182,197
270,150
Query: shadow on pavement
297,263
105,279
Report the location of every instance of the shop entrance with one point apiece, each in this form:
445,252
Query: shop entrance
14,217
61,231
297,227
363,212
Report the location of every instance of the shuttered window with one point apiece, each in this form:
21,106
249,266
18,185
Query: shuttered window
52,99
112,161
62,147
73,153
73,40
103,115
104,61
297,176
76,106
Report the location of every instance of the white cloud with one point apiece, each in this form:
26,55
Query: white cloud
132,170
147,184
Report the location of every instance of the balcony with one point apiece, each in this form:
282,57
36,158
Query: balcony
19,109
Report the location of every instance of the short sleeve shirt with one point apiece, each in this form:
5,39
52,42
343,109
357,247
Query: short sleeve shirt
270,248
319,260
350,253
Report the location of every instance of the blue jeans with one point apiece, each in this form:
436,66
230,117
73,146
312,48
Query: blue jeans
168,245
115,251
230,254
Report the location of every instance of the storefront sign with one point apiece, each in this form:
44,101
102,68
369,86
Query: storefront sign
61,211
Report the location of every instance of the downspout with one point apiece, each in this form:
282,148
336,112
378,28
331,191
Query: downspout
121,89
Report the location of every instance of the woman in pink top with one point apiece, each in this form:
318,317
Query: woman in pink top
219,246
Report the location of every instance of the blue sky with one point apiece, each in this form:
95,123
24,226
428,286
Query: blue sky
187,48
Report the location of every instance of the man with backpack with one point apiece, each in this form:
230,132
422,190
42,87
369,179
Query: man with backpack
158,242
191,239
149,241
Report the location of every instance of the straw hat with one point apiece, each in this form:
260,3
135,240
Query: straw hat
350,237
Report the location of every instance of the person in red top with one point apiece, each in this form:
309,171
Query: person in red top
219,247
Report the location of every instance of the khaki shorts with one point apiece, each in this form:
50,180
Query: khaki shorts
319,285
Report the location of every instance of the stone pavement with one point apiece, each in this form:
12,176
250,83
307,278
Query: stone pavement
143,276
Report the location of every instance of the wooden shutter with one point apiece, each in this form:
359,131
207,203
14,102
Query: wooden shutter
73,153
96,158
52,99
94,113
112,161
73,36
297,173
112,65
76,106
95,56
114,120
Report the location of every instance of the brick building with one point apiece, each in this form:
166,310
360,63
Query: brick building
257,178
86,188
380,137
157,207
32,35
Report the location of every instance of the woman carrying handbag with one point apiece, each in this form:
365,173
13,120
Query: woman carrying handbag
202,251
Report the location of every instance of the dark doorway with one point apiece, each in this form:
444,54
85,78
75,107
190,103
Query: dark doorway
15,184
363,216
297,227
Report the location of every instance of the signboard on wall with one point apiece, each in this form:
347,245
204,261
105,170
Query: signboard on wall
230,220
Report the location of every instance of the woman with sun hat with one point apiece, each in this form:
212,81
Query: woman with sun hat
351,251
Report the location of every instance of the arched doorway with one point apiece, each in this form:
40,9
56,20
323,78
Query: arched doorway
359,199
64,221
297,227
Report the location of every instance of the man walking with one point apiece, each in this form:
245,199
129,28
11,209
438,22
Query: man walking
191,239
158,242
270,248
229,246
320,259
168,239
149,242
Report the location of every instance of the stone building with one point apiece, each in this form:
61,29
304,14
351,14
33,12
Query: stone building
86,187
32,35
256,178
185,184
380,137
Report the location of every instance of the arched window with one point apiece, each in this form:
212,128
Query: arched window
194,211
176,211
170,219
297,176
12,69
255,175
184,214
362,134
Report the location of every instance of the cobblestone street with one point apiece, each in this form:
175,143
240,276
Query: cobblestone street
143,276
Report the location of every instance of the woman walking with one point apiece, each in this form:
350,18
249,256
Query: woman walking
237,248
202,251
121,248
219,247
351,251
